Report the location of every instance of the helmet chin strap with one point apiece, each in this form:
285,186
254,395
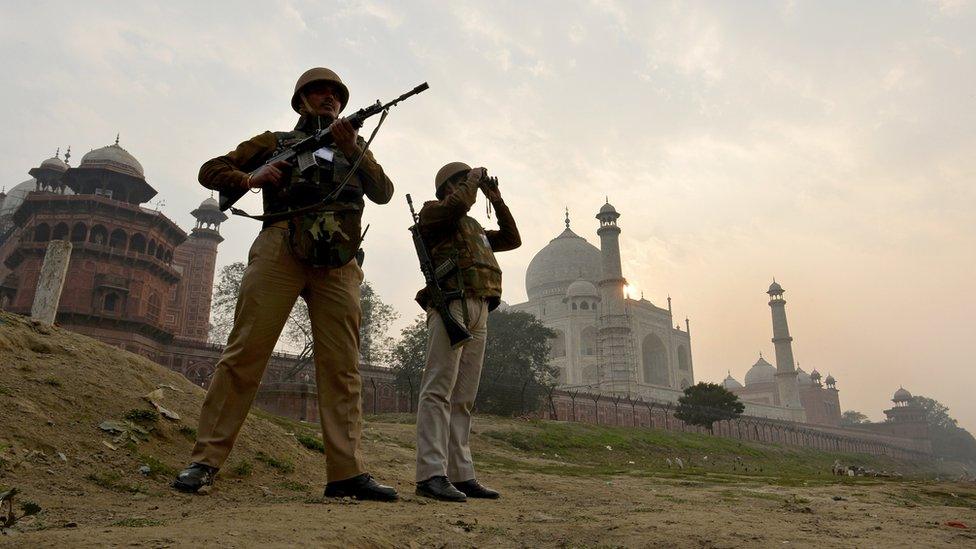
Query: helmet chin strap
309,111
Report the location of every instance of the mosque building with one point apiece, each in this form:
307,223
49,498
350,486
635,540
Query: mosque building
786,384
135,278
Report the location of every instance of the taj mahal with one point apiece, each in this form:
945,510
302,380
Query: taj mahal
607,342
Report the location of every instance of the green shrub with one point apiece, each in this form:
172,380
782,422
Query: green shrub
243,468
142,415
282,465
311,442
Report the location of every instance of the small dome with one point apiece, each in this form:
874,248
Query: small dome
113,158
803,378
901,395
209,203
731,383
55,163
761,372
830,380
582,288
815,375
775,288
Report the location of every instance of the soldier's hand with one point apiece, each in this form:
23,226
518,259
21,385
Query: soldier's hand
269,174
344,135
491,192
476,175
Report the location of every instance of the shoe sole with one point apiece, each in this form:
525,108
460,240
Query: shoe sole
186,488
439,498
383,499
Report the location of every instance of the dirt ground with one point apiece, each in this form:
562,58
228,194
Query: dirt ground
56,388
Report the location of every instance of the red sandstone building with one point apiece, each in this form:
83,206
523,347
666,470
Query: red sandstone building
136,279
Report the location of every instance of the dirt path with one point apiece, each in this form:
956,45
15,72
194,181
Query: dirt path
537,511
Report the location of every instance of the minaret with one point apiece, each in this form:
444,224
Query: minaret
197,258
789,392
617,371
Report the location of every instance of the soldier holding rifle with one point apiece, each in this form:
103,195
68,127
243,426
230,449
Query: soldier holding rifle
461,260
305,251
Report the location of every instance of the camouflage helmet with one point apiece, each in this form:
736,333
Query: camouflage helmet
448,171
319,74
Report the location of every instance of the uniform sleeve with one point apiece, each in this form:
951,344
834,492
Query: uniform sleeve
229,172
507,236
453,207
376,185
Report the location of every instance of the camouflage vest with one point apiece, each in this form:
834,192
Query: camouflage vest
478,273
327,238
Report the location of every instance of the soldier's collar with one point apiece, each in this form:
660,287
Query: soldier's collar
312,123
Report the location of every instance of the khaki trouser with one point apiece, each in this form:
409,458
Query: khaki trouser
272,282
447,394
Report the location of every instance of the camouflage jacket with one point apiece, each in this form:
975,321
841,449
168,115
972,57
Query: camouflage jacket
329,238
450,233
230,171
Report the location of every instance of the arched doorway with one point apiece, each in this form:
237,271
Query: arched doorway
655,361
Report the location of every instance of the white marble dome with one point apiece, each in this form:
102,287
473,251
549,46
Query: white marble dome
209,204
114,158
901,395
761,372
566,259
15,197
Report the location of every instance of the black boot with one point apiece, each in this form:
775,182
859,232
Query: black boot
473,489
439,488
194,477
360,487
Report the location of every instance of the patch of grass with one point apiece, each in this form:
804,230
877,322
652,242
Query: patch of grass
52,381
113,481
282,465
311,442
294,486
587,449
30,508
137,522
244,468
156,467
189,432
142,415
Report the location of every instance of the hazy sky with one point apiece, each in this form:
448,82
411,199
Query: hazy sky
828,144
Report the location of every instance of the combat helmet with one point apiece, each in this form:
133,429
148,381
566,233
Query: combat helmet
448,171
319,74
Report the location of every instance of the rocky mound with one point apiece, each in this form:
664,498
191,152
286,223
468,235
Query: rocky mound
79,429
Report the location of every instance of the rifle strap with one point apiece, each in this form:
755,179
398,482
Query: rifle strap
278,216
460,283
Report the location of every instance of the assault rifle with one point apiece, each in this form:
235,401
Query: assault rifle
301,154
440,299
